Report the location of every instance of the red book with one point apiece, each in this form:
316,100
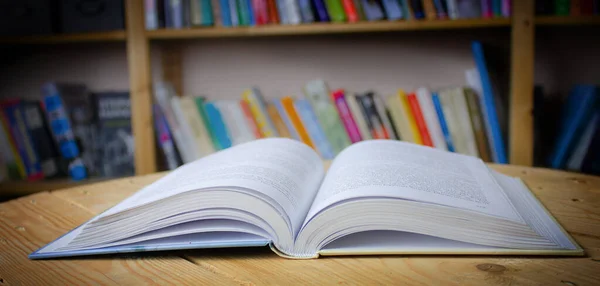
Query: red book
350,10
272,12
587,7
261,14
575,7
415,109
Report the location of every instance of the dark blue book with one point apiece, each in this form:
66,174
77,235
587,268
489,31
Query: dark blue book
225,13
417,8
372,10
578,110
320,10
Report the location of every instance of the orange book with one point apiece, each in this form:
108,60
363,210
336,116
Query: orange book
416,113
272,12
288,105
277,121
429,7
251,121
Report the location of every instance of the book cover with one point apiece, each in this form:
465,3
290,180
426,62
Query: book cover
234,15
187,133
272,12
282,8
469,9
371,117
497,8
486,9
346,115
496,138
14,165
575,8
430,117
417,9
576,158
62,132
562,7
441,8
200,101
150,14
217,14
372,10
306,11
235,120
215,119
250,13
506,8
288,105
250,119
206,12
174,14
336,11
350,10
165,140
392,9
318,94
406,108
442,119
288,123
315,132
50,160
453,9
461,111
280,126
429,9
476,116
358,116
259,111
115,155
419,120
320,10
243,12
293,12
200,135
225,13
384,115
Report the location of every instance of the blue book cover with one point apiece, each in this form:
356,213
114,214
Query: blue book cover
248,8
311,123
392,9
306,11
216,120
225,13
320,10
438,109
174,13
497,142
372,10
577,112
233,13
405,9
207,12
281,9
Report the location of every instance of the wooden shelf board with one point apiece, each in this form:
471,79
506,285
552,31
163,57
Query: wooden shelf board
566,20
22,188
110,36
324,28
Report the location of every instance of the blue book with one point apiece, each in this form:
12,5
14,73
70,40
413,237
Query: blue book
320,10
372,10
207,12
174,14
233,13
392,9
577,112
417,8
216,120
225,13
306,11
282,10
248,9
438,109
496,142
311,123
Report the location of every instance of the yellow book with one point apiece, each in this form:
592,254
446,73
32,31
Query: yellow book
405,109
259,112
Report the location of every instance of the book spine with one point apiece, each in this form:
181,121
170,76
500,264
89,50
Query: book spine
165,141
350,9
200,106
41,139
441,8
206,10
417,9
429,8
372,10
293,11
506,8
592,156
320,10
248,9
575,8
499,153
187,133
336,11
409,117
233,112
14,165
392,9
429,114
452,9
151,15
306,12
195,13
464,120
252,123
233,13
243,13
288,105
272,11
345,114
259,111
477,123
286,119
225,13
359,117
217,13
385,120
283,12
315,132
486,8
561,7
176,11
163,98
419,120
371,117
12,148
406,10
442,119
215,119
199,132
280,126
497,8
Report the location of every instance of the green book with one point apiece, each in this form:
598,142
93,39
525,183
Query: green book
561,7
336,11
207,12
243,13
318,94
200,105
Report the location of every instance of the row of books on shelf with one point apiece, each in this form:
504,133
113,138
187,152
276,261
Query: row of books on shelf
231,13
567,7
68,132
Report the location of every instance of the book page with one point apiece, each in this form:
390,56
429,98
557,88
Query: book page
386,168
286,171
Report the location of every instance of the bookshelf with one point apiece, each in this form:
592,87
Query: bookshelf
522,25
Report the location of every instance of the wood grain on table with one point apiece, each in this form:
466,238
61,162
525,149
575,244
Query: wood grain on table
30,222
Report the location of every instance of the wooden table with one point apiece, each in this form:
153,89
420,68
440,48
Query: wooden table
30,222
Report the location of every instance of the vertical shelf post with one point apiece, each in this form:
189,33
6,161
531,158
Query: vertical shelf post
521,81
140,85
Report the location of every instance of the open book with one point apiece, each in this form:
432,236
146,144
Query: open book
378,197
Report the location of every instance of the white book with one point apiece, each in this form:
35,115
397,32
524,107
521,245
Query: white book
151,14
198,127
384,117
358,116
232,114
474,82
293,12
193,147
456,130
576,159
431,118
464,120
378,197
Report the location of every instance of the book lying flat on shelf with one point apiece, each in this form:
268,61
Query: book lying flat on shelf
378,197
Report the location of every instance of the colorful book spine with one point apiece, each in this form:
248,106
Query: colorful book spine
239,132
372,117
243,12
430,116
562,7
336,11
392,9
358,115
351,12
429,8
200,106
165,140
506,8
372,10
280,126
198,128
233,13
406,11
174,12
42,140
497,8
225,13
346,115
288,105
417,9
187,134
151,15
441,8
10,157
410,118
452,9
252,124
419,120
313,128
306,11
286,119
383,115
486,8
464,120
440,113
272,12
259,111
215,119
320,10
